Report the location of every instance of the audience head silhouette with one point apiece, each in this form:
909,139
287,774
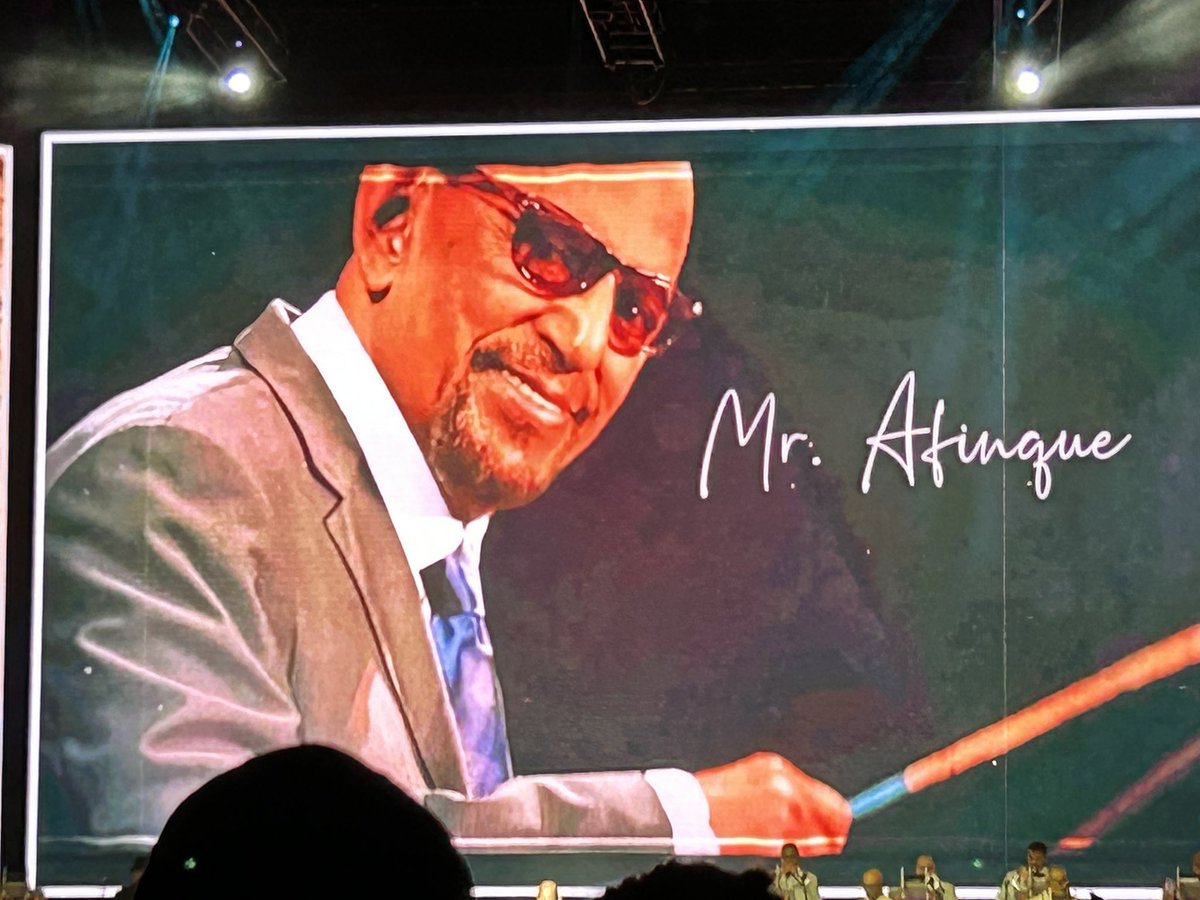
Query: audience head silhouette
265,829
696,881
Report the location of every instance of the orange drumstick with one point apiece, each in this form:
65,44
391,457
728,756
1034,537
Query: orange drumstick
1163,773
1152,663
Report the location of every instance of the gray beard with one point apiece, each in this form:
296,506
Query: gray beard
465,462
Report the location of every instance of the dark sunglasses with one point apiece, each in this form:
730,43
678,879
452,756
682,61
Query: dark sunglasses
558,257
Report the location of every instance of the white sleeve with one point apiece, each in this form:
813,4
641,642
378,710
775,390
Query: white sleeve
686,808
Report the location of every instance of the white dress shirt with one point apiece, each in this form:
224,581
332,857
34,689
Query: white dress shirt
797,885
1018,882
425,527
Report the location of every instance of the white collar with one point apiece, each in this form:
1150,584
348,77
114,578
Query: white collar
426,530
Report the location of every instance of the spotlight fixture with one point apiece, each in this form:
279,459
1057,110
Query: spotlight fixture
238,81
238,40
1027,45
1027,81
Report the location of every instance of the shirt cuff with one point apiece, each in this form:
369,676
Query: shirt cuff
687,810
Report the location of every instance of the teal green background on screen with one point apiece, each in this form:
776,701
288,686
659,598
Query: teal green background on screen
1034,276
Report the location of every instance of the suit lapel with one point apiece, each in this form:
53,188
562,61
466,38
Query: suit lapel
362,531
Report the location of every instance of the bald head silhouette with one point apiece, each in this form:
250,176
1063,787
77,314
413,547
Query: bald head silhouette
275,825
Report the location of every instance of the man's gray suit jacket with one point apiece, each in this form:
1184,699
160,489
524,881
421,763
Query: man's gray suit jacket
222,579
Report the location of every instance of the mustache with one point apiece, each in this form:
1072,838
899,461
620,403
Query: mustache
532,358
529,357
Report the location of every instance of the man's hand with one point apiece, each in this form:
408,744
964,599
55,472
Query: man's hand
759,802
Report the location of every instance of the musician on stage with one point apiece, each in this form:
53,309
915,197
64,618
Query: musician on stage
872,884
1060,885
1171,889
791,882
1029,881
926,870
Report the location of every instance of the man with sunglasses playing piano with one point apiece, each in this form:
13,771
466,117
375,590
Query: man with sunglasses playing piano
279,543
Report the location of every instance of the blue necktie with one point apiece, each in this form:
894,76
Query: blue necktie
465,653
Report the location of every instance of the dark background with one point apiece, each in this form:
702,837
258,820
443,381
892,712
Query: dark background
85,65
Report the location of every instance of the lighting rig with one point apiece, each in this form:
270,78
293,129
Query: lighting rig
1027,47
628,34
238,40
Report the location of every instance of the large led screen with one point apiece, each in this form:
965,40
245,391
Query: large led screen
621,490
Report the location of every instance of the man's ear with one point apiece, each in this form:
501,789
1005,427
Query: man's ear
380,234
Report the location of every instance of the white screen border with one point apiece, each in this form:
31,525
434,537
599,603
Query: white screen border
53,139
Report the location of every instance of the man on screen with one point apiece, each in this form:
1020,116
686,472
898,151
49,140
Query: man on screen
279,542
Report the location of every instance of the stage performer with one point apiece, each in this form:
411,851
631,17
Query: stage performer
1060,885
926,870
872,884
1171,890
1030,880
279,542
791,881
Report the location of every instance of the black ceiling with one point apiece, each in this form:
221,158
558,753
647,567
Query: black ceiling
85,63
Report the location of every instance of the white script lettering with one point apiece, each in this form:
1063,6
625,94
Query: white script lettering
1029,447
766,411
